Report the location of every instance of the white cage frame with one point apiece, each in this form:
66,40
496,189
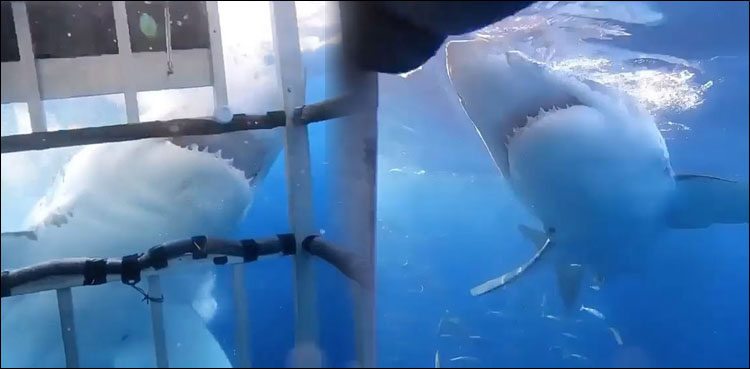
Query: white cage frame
33,81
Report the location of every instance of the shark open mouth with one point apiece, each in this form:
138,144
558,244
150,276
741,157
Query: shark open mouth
251,153
527,118
227,158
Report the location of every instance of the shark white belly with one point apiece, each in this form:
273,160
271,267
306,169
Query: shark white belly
118,199
585,159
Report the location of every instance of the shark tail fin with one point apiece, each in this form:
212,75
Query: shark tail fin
701,201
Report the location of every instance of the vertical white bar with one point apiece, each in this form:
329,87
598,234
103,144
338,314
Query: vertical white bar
351,146
217,55
133,116
289,69
157,322
351,153
221,98
67,324
126,57
28,63
241,312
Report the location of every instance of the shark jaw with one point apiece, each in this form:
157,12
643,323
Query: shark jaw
586,160
252,152
573,151
119,199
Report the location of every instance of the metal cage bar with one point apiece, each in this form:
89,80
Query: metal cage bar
28,68
126,61
351,153
157,323
207,68
297,149
68,327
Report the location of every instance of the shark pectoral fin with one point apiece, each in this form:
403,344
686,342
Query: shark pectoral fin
509,276
14,246
12,236
537,237
701,201
568,281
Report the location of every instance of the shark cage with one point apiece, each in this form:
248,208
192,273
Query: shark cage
190,58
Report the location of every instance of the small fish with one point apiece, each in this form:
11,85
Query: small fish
615,333
396,170
594,287
592,311
575,265
570,335
552,317
495,312
446,335
578,356
407,128
437,358
475,337
457,358
544,299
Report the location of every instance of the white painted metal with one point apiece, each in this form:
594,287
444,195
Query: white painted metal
175,266
28,71
168,35
100,75
218,76
241,316
12,83
126,66
68,327
289,69
221,98
157,322
351,153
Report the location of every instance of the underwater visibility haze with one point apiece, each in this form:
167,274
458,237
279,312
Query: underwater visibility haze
621,103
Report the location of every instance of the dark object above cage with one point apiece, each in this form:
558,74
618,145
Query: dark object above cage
399,36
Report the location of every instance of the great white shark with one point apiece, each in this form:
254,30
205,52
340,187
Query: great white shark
586,160
112,200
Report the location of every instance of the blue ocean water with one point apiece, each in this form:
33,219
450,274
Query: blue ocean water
446,222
